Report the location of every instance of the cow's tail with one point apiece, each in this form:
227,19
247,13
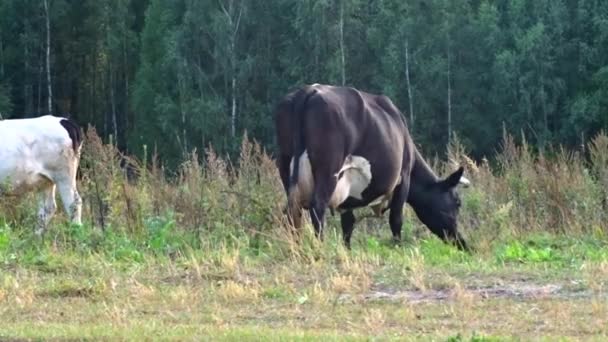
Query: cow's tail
299,138
74,132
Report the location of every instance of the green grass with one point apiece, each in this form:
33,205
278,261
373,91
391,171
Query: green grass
160,284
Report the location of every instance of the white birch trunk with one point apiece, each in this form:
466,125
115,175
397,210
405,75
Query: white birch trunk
449,92
409,85
41,72
27,87
342,54
233,111
234,19
1,56
113,104
48,56
125,114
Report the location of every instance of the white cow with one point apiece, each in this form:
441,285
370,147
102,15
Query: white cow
38,154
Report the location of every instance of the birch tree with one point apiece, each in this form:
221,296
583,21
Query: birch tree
49,85
342,52
233,11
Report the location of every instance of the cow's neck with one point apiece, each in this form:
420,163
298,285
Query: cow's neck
422,172
421,176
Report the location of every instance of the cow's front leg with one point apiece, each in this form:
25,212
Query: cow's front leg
396,207
72,202
46,209
347,220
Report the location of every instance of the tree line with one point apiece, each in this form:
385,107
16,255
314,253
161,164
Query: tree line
181,74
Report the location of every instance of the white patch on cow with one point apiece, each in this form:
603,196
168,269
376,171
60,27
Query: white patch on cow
353,178
37,155
464,181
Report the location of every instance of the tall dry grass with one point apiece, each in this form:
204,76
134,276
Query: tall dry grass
523,191
526,190
238,203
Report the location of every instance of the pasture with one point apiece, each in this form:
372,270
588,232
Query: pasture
206,254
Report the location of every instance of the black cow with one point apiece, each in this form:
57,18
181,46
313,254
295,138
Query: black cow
353,149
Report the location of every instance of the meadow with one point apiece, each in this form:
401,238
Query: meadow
206,254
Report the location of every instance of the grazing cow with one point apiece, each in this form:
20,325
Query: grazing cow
341,148
38,154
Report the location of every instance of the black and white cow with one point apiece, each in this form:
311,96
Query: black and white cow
39,154
341,148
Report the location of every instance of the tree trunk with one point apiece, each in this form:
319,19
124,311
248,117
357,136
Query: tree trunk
48,56
93,89
27,87
1,57
104,101
409,85
234,20
125,66
449,91
1,64
543,98
39,91
181,83
232,71
233,86
342,62
184,130
113,104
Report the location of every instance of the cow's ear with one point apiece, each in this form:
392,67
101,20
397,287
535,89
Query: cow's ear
453,179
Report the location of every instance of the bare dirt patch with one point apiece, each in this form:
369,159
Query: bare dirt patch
513,290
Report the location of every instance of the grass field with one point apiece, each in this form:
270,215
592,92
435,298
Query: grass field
207,256
545,287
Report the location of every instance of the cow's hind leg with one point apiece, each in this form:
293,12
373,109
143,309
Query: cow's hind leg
47,208
325,184
294,213
293,209
72,203
283,166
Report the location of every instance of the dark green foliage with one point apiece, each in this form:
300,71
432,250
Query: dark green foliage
5,100
179,75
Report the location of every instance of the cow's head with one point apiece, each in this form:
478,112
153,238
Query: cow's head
437,206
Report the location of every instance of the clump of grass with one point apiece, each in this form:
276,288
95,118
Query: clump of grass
67,288
531,191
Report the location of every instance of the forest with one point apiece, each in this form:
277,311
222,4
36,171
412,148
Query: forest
175,75
184,234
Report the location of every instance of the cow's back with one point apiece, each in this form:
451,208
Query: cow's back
342,121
